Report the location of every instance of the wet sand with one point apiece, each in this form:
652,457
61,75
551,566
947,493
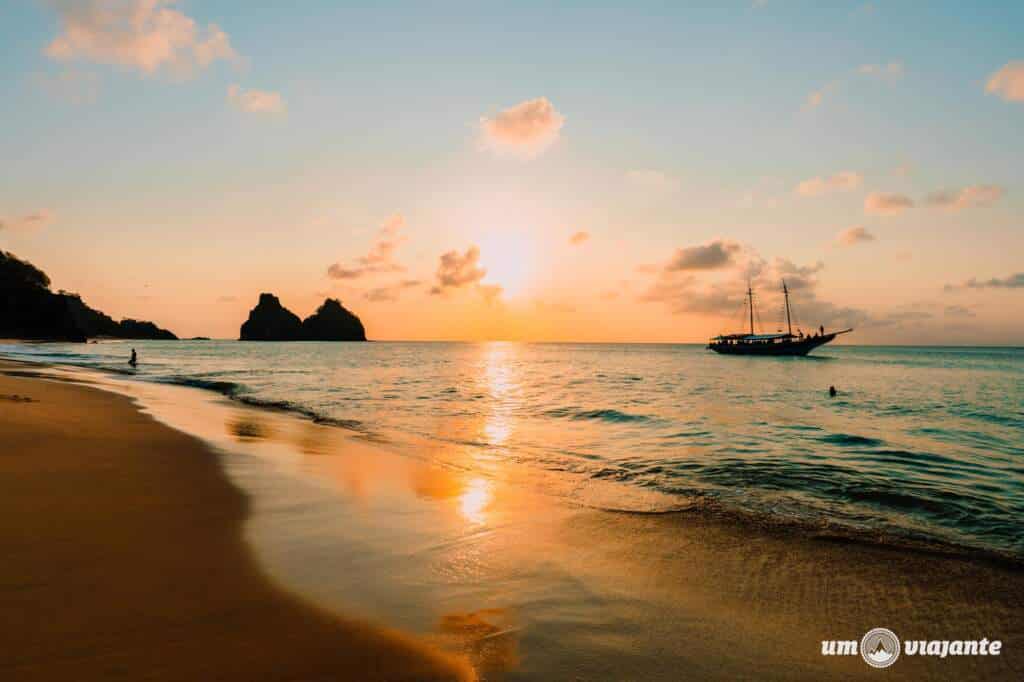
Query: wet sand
123,559
469,559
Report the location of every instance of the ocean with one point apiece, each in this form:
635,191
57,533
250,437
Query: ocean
921,444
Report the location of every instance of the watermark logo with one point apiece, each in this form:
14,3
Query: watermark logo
880,647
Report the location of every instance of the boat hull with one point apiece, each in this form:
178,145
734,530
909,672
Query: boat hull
794,348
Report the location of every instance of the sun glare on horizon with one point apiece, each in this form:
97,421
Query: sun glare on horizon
509,256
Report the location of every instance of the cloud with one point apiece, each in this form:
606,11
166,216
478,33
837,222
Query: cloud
686,293
1007,82
141,34
840,182
578,238
958,311
816,98
854,235
256,101
390,293
456,271
380,258
651,179
968,197
892,71
886,204
525,130
30,221
1014,281
710,256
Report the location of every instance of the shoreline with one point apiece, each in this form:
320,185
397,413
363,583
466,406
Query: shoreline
125,559
896,538
610,595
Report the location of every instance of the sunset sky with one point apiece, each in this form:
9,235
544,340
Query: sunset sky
473,170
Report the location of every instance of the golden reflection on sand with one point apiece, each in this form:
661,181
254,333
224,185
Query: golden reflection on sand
488,637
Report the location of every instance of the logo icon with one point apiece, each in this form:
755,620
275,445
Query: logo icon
880,648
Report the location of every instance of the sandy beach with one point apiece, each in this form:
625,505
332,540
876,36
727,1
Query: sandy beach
124,560
135,554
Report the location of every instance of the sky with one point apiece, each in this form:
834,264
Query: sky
524,171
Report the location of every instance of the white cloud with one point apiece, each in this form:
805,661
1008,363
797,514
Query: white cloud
256,101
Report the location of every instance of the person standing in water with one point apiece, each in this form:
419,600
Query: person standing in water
135,359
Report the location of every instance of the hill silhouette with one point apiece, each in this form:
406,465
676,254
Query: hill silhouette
271,321
29,310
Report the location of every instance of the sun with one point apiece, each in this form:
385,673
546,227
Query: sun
508,256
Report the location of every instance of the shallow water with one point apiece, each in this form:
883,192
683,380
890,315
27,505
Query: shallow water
920,442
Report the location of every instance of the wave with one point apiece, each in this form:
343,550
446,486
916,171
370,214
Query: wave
709,507
848,439
235,392
606,415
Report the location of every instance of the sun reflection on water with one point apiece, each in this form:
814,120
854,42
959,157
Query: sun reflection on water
474,500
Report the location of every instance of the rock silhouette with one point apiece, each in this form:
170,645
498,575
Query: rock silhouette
333,322
29,310
270,321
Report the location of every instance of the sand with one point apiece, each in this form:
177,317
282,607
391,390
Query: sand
123,559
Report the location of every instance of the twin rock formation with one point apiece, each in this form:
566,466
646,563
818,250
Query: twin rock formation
270,321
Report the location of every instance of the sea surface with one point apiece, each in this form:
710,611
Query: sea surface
920,445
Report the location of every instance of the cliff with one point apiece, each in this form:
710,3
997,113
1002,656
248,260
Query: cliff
29,310
270,321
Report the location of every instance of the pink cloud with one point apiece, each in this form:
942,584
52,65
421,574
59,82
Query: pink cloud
967,197
840,182
526,129
380,257
854,235
256,101
1008,82
142,34
578,238
887,204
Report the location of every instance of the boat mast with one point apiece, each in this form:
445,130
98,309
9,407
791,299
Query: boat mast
750,296
785,292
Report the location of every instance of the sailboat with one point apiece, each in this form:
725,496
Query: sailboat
782,343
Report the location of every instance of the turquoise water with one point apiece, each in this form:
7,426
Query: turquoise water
923,443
